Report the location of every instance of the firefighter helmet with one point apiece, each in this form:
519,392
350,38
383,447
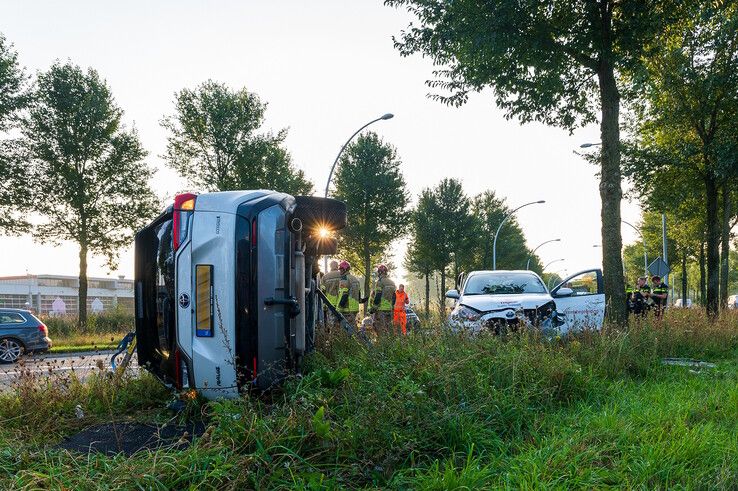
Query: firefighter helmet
381,269
344,266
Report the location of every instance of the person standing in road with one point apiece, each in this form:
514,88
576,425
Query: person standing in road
659,294
383,300
349,294
399,316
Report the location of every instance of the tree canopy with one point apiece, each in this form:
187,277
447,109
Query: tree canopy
87,171
215,141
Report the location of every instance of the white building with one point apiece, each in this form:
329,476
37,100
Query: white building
57,295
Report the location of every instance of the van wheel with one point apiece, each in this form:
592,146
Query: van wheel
328,212
10,350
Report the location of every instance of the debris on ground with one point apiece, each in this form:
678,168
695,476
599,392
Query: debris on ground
130,437
687,362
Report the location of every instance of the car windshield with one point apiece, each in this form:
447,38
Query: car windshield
503,284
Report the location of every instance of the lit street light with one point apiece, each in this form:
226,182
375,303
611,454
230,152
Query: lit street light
497,233
527,265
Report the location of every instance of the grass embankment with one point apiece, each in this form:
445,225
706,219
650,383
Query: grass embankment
102,332
431,411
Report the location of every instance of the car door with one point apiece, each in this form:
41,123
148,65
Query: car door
581,298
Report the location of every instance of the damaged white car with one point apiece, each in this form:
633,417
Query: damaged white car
505,301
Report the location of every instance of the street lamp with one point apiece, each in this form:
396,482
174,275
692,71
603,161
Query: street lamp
587,145
527,265
384,117
333,167
497,233
561,274
645,251
549,264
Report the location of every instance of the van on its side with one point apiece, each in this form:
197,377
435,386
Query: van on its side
225,286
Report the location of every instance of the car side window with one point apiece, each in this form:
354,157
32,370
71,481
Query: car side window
584,284
11,318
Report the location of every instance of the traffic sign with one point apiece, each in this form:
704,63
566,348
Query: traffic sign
659,267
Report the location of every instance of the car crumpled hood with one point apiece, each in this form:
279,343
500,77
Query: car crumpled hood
486,303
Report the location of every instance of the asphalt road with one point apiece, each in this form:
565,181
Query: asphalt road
58,366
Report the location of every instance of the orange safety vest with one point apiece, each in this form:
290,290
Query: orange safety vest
401,299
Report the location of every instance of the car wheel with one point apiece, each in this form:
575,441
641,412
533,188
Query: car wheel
327,212
10,350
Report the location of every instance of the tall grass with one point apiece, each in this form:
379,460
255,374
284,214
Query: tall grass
428,411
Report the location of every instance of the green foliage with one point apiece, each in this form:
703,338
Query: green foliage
14,196
431,411
214,142
370,181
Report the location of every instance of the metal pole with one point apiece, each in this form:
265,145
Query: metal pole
645,249
527,265
494,242
663,237
335,162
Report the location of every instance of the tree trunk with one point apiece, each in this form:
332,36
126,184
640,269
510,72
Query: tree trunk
611,194
684,280
725,246
82,296
367,276
713,246
702,274
427,293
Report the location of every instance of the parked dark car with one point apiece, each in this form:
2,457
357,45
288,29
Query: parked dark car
21,332
413,322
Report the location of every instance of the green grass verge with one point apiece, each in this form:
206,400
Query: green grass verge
86,342
432,411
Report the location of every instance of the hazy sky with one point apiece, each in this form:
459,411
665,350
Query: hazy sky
325,68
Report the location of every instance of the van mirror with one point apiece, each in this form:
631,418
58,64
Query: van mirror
453,294
564,292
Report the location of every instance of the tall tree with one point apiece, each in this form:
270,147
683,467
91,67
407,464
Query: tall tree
559,62
688,111
87,172
14,197
216,143
369,180
419,257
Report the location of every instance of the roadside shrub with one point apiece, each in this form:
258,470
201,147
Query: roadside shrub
114,321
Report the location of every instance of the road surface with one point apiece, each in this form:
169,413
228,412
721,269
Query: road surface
58,366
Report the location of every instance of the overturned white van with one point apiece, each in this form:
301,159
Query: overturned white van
225,287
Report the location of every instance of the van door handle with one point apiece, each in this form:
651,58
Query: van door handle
291,302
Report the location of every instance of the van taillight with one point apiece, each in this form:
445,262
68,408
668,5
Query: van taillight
184,205
43,329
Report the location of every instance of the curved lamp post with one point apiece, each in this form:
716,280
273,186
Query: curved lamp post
549,264
587,145
559,274
335,162
527,265
497,233
645,251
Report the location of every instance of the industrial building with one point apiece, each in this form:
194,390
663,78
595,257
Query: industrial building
57,295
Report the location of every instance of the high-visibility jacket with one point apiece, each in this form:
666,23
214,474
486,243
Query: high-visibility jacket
383,295
401,299
329,285
660,289
349,294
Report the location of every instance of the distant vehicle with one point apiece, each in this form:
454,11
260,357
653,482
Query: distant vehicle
679,304
501,301
225,287
21,332
733,302
413,321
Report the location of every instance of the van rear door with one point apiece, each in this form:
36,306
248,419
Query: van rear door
155,298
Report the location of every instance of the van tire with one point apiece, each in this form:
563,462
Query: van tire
313,210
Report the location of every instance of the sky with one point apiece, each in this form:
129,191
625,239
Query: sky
325,68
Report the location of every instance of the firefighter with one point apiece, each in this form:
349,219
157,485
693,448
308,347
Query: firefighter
399,316
329,286
659,294
383,300
348,294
